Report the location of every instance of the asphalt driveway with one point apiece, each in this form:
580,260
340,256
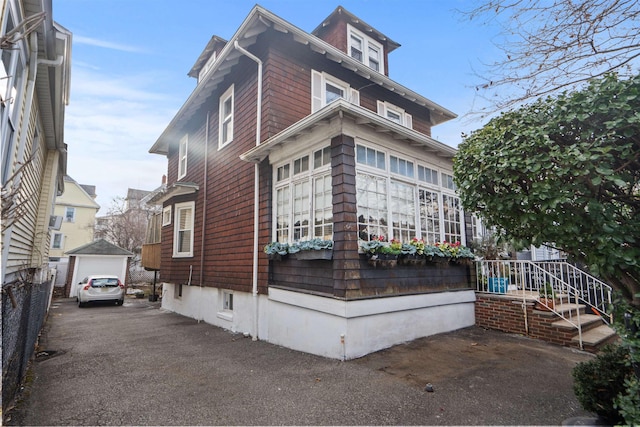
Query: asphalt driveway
140,365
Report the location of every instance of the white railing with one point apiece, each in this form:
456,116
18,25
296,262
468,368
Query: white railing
572,287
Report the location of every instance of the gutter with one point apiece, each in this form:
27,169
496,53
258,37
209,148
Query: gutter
256,194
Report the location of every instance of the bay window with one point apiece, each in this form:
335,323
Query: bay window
392,203
303,199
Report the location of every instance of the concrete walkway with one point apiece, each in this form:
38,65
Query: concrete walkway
140,365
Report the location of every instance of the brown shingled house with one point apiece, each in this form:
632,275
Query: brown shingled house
291,136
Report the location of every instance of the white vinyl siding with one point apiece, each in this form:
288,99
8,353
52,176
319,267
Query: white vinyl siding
183,230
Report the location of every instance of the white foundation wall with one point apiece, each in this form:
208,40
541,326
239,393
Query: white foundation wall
326,326
206,304
349,329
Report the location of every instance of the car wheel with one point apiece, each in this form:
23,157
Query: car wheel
119,302
81,304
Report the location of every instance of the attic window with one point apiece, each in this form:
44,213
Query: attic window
365,49
207,66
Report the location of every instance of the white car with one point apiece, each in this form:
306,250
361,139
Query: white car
100,288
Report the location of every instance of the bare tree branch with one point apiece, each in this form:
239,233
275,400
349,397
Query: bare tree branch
548,47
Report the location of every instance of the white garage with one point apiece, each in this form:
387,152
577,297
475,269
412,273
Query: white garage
98,257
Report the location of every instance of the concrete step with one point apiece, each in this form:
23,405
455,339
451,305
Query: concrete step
596,336
587,321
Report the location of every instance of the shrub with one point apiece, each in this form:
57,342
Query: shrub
598,382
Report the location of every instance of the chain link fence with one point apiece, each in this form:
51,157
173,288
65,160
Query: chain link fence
24,310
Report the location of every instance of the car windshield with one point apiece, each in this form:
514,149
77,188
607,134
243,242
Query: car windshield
104,281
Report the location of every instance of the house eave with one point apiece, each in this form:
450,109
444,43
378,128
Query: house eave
342,108
258,21
174,190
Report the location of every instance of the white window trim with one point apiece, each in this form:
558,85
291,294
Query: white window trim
207,66
366,41
183,156
166,216
319,81
418,184
406,119
53,238
178,208
72,217
229,93
309,175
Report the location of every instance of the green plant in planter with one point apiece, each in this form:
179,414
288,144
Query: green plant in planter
276,248
310,245
547,291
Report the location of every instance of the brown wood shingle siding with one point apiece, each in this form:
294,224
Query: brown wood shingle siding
229,228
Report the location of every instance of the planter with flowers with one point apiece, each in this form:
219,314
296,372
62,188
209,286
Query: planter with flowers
382,253
412,253
312,249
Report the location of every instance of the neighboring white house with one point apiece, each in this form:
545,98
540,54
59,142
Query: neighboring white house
34,91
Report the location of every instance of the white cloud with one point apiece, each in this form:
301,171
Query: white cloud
105,44
110,125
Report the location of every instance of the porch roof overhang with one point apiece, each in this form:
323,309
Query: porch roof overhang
258,21
174,190
361,116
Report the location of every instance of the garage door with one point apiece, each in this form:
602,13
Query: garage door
88,266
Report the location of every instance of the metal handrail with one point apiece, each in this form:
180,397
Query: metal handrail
571,286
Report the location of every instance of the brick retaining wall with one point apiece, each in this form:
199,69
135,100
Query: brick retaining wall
505,313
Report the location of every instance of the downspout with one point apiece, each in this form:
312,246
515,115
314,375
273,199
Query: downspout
206,185
256,195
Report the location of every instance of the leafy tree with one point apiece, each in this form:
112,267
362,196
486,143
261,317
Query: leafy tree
559,45
566,170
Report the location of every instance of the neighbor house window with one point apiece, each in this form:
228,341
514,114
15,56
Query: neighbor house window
401,199
365,49
225,135
303,200
183,230
56,241
395,114
325,89
70,214
182,157
13,69
166,216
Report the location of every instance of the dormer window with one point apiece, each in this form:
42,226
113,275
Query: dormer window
365,49
207,66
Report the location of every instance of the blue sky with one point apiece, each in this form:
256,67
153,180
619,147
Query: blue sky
130,60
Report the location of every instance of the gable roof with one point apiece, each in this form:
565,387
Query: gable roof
100,247
258,21
84,191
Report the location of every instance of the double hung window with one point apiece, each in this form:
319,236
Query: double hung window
225,134
325,89
398,198
183,230
303,201
70,214
395,114
182,156
365,49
